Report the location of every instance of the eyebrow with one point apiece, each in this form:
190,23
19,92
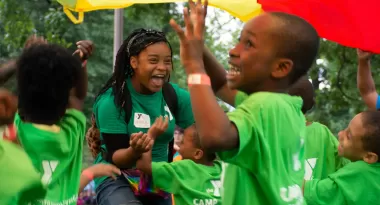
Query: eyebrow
157,55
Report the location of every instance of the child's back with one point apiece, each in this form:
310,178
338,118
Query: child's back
56,152
51,88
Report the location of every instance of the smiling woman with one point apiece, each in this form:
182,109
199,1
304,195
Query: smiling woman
137,93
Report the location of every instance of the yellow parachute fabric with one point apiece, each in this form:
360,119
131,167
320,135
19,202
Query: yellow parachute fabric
242,9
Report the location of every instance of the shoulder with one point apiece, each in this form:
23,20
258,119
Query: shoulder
271,100
181,92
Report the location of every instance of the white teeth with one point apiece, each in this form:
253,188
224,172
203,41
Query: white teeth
234,68
159,76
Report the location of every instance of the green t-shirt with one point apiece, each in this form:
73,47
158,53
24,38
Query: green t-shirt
321,152
270,158
56,152
20,182
354,184
145,110
189,182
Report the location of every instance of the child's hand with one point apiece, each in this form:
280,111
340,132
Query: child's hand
104,170
8,107
84,49
363,55
158,127
35,40
140,142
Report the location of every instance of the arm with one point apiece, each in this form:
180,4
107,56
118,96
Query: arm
365,82
218,78
324,191
79,93
7,70
96,171
119,151
144,164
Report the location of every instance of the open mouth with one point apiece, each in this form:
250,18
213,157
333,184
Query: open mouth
158,80
233,71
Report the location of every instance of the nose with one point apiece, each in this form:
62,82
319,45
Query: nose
340,135
162,67
234,52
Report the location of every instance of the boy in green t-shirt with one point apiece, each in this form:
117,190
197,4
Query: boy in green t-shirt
193,180
52,85
321,146
264,135
357,182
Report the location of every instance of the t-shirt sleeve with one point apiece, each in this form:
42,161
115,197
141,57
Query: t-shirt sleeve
185,116
75,122
167,176
324,191
240,97
108,117
378,102
247,119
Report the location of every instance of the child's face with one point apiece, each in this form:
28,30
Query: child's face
186,147
350,140
253,60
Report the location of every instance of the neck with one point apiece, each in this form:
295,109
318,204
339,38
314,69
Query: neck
139,87
204,162
272,86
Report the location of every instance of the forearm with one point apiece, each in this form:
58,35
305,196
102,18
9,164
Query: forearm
218,78
144,164
365,81
125,158
82,83
215,129
83,182
7,70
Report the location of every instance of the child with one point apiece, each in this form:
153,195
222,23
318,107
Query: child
357,182
52,86
321,153
193,180
263,136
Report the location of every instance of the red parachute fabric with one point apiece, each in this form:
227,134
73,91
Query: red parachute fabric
352,23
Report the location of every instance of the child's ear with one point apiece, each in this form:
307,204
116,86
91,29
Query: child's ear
371,158
198,154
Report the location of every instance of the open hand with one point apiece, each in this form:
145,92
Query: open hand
141,142
85,49
35,40
192,39
158,127
363,55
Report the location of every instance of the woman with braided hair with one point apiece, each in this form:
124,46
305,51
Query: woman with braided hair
128,104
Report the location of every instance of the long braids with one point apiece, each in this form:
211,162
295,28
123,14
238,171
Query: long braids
136,42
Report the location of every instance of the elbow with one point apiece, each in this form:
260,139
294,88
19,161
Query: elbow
212,140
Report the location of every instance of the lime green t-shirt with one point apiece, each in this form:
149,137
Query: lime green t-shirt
56,152
356,183
189,182
20,182
321,152
270,158
145,109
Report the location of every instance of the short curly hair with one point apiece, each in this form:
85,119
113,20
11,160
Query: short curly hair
45,76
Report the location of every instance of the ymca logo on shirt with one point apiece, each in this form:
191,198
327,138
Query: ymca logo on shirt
167,110
141,120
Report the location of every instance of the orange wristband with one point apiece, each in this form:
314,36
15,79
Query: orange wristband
88,174
84,63
198,79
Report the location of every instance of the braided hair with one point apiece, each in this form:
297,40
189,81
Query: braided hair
136,42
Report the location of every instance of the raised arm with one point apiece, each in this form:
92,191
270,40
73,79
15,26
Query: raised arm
7,70
84,51
218,78
365,82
